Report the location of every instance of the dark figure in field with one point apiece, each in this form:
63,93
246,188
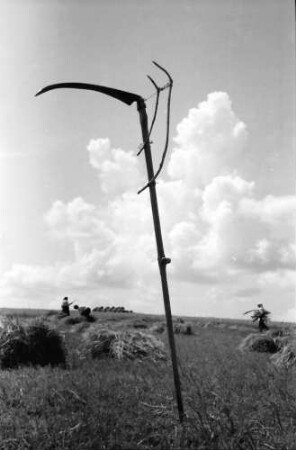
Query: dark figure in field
83,311
260,314
262,318
66,306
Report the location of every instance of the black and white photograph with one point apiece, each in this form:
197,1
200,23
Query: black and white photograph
147,225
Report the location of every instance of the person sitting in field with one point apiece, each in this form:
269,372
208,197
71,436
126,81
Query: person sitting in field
66,306
83,311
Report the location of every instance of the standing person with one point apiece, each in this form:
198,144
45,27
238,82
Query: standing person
66,306
262,318
260,314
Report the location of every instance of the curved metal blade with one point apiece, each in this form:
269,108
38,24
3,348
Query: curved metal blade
126,97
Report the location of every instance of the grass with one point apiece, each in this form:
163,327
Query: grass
233,400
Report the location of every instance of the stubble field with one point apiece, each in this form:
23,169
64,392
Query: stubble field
232,399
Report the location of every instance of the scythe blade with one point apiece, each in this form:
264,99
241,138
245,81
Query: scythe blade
126,97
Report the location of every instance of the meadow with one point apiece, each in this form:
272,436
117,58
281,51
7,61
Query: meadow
232,399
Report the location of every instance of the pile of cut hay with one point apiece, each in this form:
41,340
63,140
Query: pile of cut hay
183,328
124,345
34,344
286,357
140,324
259,343
68,320
73,320
158,328
276,333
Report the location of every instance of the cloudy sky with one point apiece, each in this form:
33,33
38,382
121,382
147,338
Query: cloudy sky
71,221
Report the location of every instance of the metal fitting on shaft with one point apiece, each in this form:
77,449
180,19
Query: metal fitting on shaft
164,261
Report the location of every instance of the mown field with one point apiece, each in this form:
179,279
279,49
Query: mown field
232,399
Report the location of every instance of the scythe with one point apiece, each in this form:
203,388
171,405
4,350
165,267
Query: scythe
130,98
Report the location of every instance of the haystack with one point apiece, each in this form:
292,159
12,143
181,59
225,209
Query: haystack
68,320
258,343
183,328
34,344
158,328
73,320
286,357
278,332
124,345
140,324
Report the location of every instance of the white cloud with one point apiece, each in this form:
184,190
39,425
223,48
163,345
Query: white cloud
7,156
272,254
112,244
210,139
118,170
281,278
223,195
271,209
215,228
289,316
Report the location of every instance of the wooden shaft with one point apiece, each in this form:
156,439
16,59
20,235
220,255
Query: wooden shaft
162,260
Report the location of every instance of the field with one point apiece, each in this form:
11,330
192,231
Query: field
232,399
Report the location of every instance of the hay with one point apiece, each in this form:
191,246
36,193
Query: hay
140,324
34,344
74,320
183,328
100,344
281,341
158,328
275,333
125,345
208,324
286,357
258,343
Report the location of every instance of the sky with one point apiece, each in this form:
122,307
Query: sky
71,221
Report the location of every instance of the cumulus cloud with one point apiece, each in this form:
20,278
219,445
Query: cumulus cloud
118,170
271,209
113,244
209,139
215,226
280,278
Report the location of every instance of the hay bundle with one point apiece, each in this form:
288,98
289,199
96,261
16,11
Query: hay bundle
140,324
125,345
68,320
74,320
281,342
183,328
158,328
100,343
35,344
276,333
286,357
258,343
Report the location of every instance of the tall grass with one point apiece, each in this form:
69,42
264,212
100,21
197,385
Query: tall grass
232,400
